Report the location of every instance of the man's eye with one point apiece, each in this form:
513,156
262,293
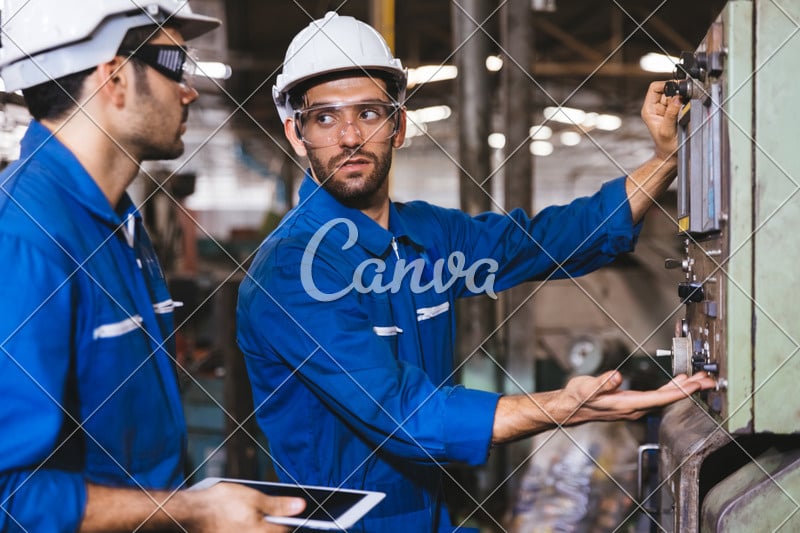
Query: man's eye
324,118
369,114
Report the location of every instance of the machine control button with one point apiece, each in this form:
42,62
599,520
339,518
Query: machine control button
692,66
691,292
683,264
681,355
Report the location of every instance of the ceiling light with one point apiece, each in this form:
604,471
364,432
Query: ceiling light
430,74
589,121
543,5
214,70
653,62
418,119
540,132
608,122
541,148
497,141
570,138
494,63
567,115
415,129
430,114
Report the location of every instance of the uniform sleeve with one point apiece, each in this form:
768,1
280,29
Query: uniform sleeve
559,242
35,335
337,355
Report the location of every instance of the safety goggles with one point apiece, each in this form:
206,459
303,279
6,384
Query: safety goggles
324,125
175,62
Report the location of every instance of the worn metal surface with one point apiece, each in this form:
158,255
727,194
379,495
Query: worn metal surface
761,496
777,217
687,436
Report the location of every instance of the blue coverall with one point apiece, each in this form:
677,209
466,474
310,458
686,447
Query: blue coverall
88,383
351,363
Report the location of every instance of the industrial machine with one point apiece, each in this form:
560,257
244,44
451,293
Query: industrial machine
729,459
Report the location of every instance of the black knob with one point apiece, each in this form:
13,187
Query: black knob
681,88
691,292
691,66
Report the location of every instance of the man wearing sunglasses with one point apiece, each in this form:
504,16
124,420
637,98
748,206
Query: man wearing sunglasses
93,434
347,317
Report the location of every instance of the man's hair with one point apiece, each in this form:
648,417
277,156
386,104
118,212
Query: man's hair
297,94
55,99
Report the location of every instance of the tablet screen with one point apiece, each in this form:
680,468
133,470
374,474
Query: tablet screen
321,504
326,508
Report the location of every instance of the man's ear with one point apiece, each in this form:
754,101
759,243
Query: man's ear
113,80
293,136
400,136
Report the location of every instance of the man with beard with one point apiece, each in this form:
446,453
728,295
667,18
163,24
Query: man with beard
93,434
347,316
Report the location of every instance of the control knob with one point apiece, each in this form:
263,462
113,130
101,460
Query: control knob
681,354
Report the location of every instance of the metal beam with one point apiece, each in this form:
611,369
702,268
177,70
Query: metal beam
382,15
626,70
567,39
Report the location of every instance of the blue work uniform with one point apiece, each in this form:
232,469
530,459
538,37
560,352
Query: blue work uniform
86,368
349,332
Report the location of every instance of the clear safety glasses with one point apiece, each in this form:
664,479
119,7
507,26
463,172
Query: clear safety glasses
324,125
175,62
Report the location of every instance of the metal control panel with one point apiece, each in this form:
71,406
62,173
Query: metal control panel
738,223
704,210
738,209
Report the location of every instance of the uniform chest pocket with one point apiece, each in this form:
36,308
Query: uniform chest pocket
382,319
431,312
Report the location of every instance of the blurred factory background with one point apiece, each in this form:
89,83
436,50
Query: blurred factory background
537,104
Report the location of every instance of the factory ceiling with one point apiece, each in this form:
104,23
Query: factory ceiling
590,45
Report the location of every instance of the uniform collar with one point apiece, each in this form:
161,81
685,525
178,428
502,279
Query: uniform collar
68,173
317,203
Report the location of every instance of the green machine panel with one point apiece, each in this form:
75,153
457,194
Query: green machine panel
738,208
729,459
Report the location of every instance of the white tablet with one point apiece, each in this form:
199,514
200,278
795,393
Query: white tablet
326,507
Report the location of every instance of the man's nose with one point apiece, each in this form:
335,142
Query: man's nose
350,135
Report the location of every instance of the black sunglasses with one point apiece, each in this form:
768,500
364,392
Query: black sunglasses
174,62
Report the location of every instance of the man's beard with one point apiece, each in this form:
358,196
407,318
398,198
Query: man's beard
362,196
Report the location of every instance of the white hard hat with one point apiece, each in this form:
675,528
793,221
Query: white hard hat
46,39
333,44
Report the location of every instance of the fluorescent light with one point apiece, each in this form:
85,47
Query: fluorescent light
497,141
608,122
540,132
418,119
567,115
494,63
430,74
543,5
570,138
214,70
589,121
415,129
653,62
541,148
430,114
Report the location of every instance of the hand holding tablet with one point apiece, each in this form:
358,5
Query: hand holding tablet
327,508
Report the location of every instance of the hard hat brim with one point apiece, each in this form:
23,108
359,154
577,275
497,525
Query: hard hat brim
194,26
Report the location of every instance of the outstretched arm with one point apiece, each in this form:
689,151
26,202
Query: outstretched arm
585,399
648,181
